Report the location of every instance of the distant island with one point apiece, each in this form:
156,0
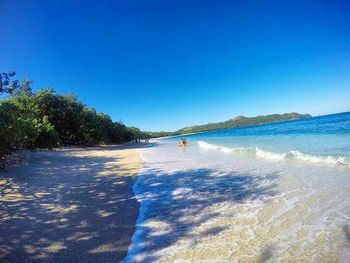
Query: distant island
237,122
242,121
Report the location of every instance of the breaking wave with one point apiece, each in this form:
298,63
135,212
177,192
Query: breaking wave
291,155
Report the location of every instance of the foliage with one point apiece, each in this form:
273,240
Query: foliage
161,134
63,120
6,85
15,131
134,132
45,119
14,87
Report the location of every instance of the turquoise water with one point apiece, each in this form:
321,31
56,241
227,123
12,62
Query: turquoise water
318,139
268,193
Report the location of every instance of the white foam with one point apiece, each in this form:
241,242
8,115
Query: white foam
318,159
270,155
210,146
295,154
137,245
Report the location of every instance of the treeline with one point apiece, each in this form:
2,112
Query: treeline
242,121
45,119
161,134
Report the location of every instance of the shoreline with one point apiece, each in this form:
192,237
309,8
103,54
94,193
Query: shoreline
214,206
71,205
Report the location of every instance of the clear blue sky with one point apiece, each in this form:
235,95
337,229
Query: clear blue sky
162,65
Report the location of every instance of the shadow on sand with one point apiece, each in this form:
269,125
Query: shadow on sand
66,208
173,205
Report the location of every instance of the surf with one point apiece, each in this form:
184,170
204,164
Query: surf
290,155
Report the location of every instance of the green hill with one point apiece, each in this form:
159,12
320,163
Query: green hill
242,121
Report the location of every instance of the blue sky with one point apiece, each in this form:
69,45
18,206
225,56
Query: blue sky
162,65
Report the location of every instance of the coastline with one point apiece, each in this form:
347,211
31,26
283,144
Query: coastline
70,205
209,205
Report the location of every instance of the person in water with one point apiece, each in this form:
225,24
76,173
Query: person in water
183,142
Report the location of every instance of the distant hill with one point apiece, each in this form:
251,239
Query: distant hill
242,121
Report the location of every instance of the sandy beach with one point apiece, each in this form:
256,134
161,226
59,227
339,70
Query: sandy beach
212,205
70,205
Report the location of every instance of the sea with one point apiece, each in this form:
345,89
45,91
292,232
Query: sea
277,192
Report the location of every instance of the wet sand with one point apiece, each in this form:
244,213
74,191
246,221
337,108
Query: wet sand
71,205
209,206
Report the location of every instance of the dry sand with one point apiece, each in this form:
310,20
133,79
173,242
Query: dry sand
71,205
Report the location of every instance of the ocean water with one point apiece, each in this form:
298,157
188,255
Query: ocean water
268,193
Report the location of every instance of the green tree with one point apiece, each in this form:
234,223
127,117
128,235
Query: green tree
45,119
15,130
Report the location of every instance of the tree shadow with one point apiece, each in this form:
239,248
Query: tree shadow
66,208
176,206
266,254
125,146
346,232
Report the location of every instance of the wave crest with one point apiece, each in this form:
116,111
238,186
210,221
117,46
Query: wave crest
291,155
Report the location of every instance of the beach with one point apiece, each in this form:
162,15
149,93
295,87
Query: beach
174,131
218,199
206,205
69,205
269,193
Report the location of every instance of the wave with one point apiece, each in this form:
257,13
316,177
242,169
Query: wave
136,249
291,155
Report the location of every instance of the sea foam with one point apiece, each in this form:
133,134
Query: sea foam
291,155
